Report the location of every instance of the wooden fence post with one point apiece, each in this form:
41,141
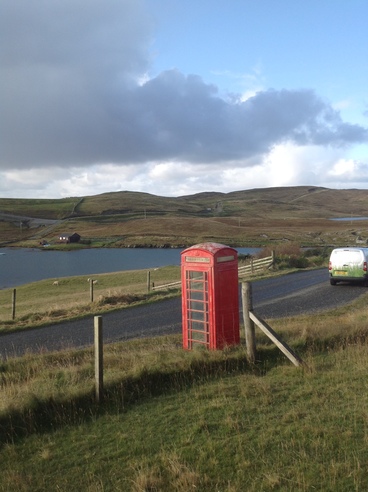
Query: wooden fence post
14,297
91,289
283,346
148,281
250,337
98,357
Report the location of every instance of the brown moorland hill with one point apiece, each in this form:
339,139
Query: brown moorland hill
258,216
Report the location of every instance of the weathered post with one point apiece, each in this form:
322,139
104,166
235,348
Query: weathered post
148,281
98,357
14,297
91,289
250,337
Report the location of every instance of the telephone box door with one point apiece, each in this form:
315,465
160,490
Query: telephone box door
197,309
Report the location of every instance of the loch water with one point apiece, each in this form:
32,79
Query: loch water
20,266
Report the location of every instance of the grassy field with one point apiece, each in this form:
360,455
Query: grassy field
41,208
44,303
184,231
177,420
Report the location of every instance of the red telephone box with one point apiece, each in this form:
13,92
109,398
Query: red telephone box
210,296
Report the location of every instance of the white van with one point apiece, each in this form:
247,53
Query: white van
348,264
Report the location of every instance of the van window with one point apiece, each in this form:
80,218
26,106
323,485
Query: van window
351,256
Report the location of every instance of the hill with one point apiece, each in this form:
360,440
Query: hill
257,217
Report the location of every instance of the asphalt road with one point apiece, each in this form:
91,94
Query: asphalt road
297,293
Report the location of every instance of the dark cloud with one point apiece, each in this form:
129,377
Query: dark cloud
69,95
75,34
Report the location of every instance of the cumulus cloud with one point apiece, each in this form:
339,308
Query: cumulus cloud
348,171
75,94
172,116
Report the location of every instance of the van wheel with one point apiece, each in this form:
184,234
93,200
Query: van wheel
332,282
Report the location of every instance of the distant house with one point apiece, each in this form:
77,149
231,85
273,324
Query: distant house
69,238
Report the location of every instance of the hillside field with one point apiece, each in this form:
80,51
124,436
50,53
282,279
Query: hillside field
259,217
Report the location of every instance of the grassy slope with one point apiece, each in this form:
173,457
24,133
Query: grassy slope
42,208
259,216
175,420
299,201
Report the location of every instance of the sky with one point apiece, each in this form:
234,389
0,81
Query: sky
174,97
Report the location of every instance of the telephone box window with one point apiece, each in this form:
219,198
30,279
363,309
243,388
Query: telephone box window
197,308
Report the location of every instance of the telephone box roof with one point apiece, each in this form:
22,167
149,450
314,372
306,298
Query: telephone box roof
212,248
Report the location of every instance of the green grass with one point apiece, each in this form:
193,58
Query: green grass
42,302
41,208
178,420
